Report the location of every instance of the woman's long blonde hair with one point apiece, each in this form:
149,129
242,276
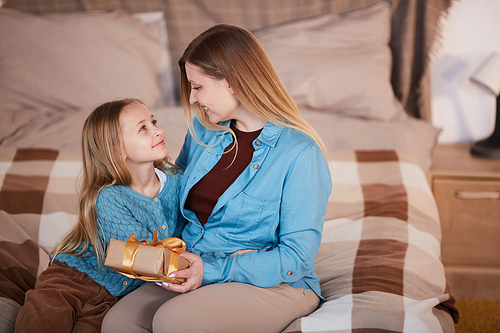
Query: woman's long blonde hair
229,52
103,165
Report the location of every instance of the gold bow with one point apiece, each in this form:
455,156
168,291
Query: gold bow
174,244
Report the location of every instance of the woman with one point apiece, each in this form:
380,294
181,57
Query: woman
254,194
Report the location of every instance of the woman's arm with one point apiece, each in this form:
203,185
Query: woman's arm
193,274
302,210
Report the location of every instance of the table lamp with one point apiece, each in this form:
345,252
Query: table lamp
488,76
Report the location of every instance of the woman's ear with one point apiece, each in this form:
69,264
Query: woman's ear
229,87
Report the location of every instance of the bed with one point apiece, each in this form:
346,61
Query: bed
358,71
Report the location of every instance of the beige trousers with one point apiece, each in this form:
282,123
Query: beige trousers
222,307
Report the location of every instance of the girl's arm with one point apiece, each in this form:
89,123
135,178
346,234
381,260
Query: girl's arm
116,217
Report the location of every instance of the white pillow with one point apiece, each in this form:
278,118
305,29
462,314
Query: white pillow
156,24
337,64
78,60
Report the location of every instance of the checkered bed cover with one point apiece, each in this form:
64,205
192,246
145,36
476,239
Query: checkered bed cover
379,261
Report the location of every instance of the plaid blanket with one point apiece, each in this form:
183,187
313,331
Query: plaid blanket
37,206
379,261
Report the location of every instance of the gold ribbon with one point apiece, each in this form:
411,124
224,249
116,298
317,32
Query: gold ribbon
174,244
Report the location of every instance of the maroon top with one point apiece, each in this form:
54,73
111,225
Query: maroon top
204,194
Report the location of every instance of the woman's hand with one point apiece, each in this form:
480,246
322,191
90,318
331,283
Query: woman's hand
193,274
241,252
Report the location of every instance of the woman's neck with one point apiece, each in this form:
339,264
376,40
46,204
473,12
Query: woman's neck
248,121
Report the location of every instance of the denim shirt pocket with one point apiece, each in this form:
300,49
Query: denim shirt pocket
249,221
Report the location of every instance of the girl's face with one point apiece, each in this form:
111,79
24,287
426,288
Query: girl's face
215,96
143,139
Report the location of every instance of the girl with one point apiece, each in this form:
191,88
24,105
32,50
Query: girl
254,193
123,191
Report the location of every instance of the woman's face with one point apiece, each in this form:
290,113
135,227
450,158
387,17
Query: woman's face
215,96
143,139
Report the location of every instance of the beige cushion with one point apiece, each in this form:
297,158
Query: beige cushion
404,133
337,64
78,61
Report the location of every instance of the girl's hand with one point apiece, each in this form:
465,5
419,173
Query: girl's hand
193,275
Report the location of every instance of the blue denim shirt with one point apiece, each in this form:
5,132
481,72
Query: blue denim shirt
278,203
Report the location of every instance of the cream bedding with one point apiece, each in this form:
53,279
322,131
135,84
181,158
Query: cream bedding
62,130
379,261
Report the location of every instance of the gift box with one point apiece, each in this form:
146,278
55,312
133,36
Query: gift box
152,262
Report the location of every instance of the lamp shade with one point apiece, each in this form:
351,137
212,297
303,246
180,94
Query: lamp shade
488,74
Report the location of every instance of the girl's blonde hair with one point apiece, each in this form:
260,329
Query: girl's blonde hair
103,165
229,52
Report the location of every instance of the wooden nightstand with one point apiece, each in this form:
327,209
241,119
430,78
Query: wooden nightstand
467,192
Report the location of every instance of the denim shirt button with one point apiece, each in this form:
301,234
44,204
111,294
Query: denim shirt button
289,273
257,143
256,166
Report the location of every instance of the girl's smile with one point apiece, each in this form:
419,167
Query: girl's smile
159,144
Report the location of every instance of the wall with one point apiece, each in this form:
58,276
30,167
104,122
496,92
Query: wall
471,32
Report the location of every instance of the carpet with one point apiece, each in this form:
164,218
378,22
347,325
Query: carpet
477,316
